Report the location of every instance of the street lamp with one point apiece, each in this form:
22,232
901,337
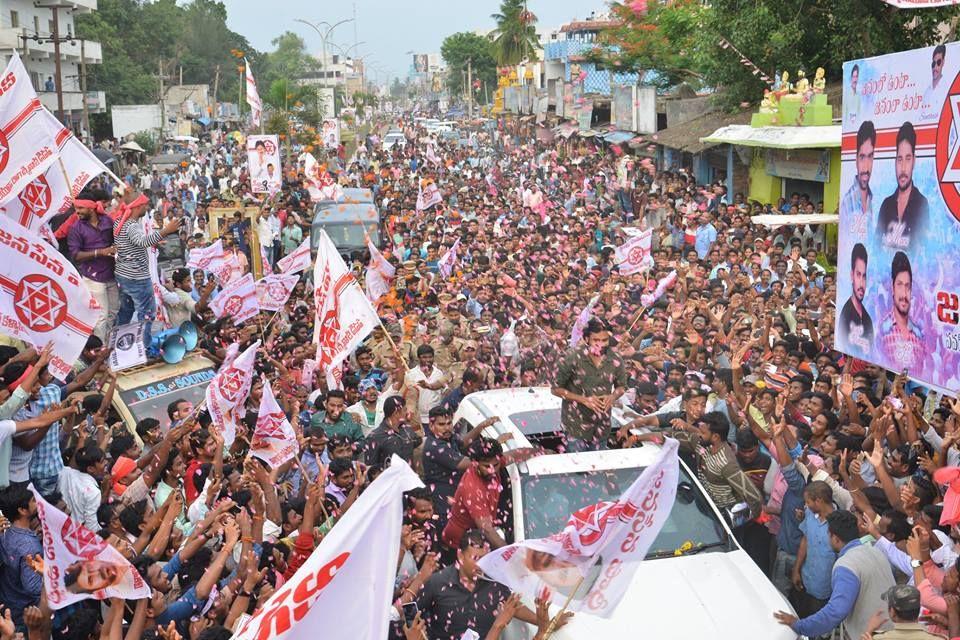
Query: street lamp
324,36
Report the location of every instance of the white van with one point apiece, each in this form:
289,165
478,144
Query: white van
713,590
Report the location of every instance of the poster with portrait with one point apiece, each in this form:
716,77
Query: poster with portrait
263,161
898,285
330,133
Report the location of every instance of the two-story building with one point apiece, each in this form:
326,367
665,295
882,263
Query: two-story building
28,28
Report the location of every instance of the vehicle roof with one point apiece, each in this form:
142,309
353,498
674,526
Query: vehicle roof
340,212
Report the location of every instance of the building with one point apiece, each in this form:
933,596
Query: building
28,29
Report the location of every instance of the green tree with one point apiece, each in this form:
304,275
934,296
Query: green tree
515,37
290,59
457,49
681,38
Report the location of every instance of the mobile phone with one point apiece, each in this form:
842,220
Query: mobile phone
410,611
896,403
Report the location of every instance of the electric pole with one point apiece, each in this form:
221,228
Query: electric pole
56,40
163,99
83,92
216,85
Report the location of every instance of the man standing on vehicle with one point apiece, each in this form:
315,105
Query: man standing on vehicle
132,266
90,243
589,381
860,578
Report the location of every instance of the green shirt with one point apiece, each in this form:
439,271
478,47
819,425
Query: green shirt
579,375
344,426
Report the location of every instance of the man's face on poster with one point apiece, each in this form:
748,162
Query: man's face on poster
902,292
557,573
854,78
905,160
94,575
864,164
859,276
936,67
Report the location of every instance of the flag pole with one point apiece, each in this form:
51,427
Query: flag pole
66,178
553,621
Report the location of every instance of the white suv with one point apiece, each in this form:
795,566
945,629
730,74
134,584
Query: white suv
711,590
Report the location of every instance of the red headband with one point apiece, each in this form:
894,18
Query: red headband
13,386
88,204
124,210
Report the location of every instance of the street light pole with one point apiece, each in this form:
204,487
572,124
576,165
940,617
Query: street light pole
323,39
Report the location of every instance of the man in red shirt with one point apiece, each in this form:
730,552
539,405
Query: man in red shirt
475,501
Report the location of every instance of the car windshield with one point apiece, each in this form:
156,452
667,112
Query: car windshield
539,421
548,502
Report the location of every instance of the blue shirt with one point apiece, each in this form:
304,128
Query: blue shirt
19,584
788,538
818,566
846,589
706,236
46,461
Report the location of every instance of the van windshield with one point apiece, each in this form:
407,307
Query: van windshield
548,502
349,235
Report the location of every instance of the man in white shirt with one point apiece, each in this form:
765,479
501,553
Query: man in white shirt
265,234
80,487
426,382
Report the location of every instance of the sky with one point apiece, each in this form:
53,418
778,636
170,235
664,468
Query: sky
388,28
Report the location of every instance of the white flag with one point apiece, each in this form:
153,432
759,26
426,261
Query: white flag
273,439
228,390
432,155
253,97
153,267
344,316
274,290
634,254
296,261
48,194
42,297
379,273
602,543
664,283
27,146
207,258
428,197
238,300
449,259
127,346
78,564
361,550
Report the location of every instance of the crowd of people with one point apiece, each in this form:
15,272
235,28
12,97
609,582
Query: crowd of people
836,476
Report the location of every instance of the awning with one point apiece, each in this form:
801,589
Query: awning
802,218
566,129
777,137
618,137
205,121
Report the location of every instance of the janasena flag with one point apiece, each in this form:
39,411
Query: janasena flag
297,260
273,440
596,554
379,275
42,297
274,290
634,254
237,300
229,389
27,146
207,258
78,564
48,194
344,316
361,550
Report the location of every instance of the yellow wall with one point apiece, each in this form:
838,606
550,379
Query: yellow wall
764,188
831,190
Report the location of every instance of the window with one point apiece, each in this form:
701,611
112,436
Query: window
14,19
50,26
36,25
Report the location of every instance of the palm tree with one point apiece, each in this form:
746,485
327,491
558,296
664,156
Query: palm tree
515,37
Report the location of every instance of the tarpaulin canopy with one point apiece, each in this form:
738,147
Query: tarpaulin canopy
777,137
618,137
801,218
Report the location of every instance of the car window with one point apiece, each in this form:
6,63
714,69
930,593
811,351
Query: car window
548,502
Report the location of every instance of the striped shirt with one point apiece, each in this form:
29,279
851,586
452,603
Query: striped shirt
132,244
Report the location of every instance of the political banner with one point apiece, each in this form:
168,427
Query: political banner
898,298
42,297
27,146
449,260
273,440
78,564
263,163
229,388
128,348
237,300
274,290
253,96
344,316
296,261
921,4
153,266
330,133
48,194
590,563
633,255
361,550
207,258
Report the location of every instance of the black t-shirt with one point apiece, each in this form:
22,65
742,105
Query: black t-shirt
450,609
382,443
440,460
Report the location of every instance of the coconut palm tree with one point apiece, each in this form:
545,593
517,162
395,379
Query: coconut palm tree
515,37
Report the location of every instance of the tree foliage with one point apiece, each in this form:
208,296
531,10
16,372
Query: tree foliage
457,49
515,37
681,38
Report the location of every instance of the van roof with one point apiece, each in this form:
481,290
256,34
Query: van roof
340,212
